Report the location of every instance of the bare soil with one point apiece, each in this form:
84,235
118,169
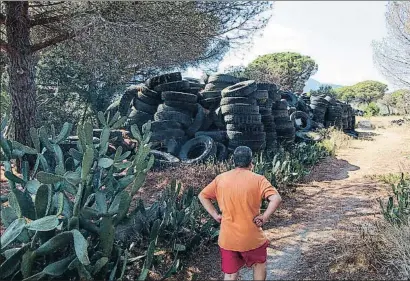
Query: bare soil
316,233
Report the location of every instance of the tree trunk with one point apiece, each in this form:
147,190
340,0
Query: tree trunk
21,70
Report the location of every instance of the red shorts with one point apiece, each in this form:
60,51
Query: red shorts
232,261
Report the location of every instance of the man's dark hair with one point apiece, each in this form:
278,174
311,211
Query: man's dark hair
242,157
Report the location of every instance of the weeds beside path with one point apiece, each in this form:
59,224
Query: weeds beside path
315,234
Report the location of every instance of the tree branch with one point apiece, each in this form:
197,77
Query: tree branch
42,21
59,38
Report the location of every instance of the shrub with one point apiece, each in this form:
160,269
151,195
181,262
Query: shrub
372,110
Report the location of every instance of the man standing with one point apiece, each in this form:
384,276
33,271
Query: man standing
239,194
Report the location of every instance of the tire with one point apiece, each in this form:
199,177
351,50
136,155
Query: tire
148,100
245,127
281,105
219,119
167,134
164,107
223,78
180,105
290,98
163,158
239,109
152,82
135,89
202,148
177,86
164,125
142,106
211,94
178,96
218,136
284,125
235,100
268,103
263,111
275,96
243,119
221,152
253,145
138,118
246,136
330,100
217,86
306,122
286,132
198,121
268,119
281,120
280,113
260,95
242,89
182,118
208,120
211,103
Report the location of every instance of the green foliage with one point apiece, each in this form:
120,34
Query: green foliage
397,208
290,70
68,90
401,100
372,110
285,168
59,222
365,92
81,214
325,90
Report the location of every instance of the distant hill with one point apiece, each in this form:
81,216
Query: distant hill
313,84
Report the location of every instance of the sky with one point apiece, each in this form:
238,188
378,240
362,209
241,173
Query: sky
337,35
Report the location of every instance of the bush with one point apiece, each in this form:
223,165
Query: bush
397,209
372,110
67,217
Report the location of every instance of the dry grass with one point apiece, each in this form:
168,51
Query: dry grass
336,140
388,248
390,178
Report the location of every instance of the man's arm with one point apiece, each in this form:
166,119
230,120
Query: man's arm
274,202
209,207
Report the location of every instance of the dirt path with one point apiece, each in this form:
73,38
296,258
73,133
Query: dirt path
338,198
310,231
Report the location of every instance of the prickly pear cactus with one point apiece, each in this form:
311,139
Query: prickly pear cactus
69,200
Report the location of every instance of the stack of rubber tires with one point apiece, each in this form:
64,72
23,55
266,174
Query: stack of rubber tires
318,105
172,118
264,99
210,97
350,114
333,116
139,104
241,114
285,129
345,116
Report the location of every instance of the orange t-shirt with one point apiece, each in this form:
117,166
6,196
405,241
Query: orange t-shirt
239,193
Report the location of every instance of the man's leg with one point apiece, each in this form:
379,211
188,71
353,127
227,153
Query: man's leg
232,276
259,271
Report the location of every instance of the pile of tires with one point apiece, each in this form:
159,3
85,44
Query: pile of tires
210,97
264,99
290,97
350,117
242,117
345,116
285,129
333,116
179,107
318,105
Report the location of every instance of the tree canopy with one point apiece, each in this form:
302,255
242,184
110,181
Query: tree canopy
118,37
401,100
392,54
364,92
324,90
290,70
